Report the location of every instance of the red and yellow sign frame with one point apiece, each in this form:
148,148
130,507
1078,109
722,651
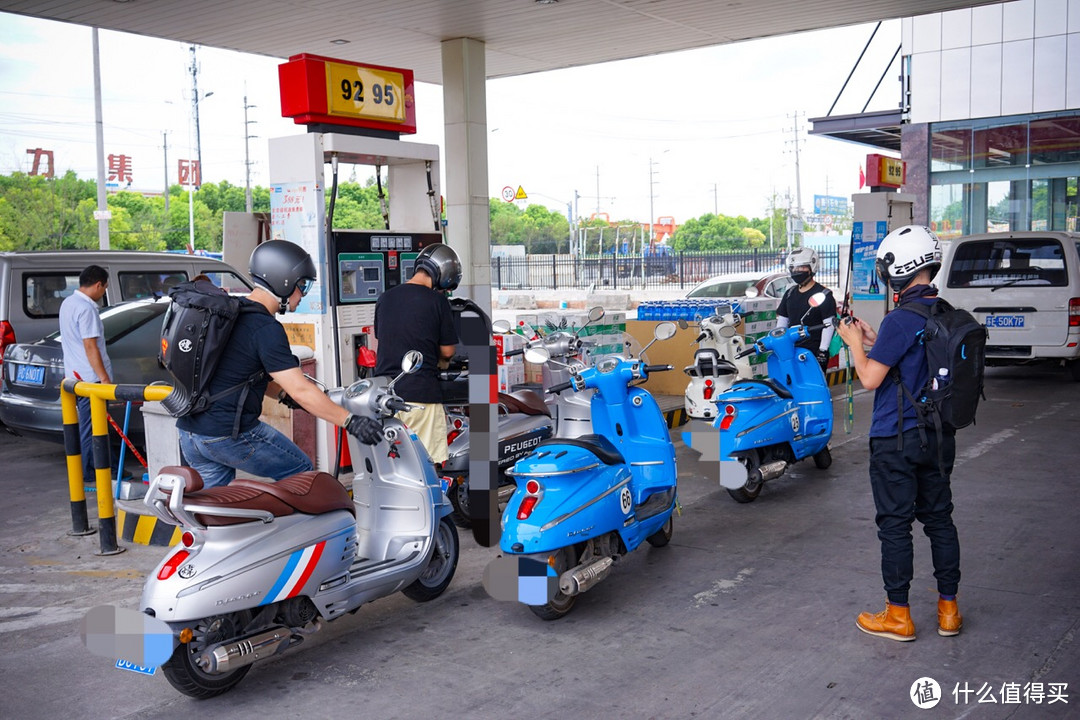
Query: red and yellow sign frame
884,171
316,89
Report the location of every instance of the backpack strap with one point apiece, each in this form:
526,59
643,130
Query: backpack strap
921,409
246,385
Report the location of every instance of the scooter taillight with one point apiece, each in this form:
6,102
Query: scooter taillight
729,417
172,564
708,390
455,430
533,492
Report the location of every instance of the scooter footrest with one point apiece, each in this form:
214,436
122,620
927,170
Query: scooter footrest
656,503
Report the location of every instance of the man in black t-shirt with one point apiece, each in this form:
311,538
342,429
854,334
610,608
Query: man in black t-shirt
212,441
795,307
416,316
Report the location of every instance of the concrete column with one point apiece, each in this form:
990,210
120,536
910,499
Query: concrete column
915,151
467,212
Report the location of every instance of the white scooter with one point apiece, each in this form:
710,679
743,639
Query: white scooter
261,565
717,363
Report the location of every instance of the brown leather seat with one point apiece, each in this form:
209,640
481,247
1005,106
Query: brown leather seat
311,492
525,402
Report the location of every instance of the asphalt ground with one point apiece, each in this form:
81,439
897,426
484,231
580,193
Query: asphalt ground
748,613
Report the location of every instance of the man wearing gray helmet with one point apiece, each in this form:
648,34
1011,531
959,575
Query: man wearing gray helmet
228,436
416,316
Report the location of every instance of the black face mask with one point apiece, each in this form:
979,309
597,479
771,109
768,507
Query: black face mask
801,277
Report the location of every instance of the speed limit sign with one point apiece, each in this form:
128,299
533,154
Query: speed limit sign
508,194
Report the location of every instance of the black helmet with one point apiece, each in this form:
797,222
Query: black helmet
442,264
280,267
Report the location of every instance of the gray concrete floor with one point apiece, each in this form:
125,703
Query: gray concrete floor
749,612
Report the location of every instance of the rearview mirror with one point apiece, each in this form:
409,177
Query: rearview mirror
664,330
816,299
537,355
683,324
596,313
500,326
411,362
727,331
751,292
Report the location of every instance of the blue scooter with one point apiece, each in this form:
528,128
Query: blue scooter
582,503
768,424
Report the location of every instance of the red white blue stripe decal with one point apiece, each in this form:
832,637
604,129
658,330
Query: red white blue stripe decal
296,573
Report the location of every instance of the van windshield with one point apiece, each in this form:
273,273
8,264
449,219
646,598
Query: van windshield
994,263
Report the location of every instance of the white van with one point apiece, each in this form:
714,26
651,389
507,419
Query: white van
1025,286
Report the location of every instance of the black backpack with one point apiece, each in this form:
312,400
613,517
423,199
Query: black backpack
956,341
194,333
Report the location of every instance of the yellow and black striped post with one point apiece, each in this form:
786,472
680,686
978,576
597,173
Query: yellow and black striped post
80,523
99,394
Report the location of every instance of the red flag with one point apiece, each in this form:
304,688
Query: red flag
862,178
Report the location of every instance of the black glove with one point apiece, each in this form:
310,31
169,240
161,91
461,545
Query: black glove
823,358
285,399
364,429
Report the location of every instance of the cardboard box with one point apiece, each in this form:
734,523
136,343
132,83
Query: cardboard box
510,375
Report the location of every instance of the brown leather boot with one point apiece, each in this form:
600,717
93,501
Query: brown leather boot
894,622
948,617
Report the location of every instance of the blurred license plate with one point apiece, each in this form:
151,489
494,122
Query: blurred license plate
30,375
1004,321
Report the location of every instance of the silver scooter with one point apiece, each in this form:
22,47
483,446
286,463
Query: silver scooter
717,362
262,565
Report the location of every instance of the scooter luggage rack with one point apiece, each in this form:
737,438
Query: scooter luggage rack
583,468
177,513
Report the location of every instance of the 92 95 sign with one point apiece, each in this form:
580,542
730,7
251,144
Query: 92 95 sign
365,92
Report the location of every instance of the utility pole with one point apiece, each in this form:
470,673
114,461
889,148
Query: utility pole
248,205
102,213
598,190
652,181
716,205
165,146
798,183
195,99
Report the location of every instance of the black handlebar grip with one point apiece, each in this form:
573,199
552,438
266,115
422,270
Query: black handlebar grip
748,351
658,368
556,389
397,405
512,353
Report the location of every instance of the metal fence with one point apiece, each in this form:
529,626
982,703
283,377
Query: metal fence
676,271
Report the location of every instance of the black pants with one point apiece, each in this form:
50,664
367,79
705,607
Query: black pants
909,485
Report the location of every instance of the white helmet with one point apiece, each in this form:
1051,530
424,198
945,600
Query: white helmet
799,257
905,252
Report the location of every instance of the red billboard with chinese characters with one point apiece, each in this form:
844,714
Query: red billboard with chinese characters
316,89
882,171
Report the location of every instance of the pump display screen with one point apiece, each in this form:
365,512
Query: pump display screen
360,276
367,263
372,274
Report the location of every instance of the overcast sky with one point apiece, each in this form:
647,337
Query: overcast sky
718,123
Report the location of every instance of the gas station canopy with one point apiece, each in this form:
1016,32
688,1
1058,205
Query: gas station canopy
520,36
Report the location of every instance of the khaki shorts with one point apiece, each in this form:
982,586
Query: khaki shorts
429,424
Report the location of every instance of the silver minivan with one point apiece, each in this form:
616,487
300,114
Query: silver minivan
1025,287
34,284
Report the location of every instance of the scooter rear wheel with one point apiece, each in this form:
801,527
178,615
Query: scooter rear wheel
440,568
662,537
560,605
748,492
823,458
184,674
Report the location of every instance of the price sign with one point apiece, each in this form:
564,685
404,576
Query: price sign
883,171
328,91
365,92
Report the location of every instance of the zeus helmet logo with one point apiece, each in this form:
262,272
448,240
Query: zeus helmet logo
912,265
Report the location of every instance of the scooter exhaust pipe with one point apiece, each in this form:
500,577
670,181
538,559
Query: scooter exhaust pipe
581,578
233,655
769,471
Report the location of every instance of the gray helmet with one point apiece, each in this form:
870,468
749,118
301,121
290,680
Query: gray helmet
280,267
441,264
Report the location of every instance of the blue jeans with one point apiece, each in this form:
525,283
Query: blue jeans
261,451
908,485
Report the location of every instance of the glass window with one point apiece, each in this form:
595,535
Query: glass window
230,282
950,150
43,293
994,263
135,285
729,289
120,320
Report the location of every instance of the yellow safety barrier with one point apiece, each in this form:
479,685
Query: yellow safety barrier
98,394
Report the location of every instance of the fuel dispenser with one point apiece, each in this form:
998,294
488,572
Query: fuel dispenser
363,264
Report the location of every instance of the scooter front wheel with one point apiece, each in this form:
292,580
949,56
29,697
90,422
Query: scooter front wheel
183,672
560,605
823,458
662,537
440,568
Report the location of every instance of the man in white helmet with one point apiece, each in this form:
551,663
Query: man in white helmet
795,307
909,479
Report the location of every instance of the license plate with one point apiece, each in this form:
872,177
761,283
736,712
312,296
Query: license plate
1004,321
30,375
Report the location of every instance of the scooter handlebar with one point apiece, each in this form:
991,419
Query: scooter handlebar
658,368
556,389
397,405
512,353
751,350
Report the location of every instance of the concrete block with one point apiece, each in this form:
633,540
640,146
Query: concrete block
609,300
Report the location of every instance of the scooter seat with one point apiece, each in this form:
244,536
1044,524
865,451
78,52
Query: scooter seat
525,402
776,387
310,492
598,445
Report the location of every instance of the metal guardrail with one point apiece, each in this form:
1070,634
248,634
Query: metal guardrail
98,394
675,271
